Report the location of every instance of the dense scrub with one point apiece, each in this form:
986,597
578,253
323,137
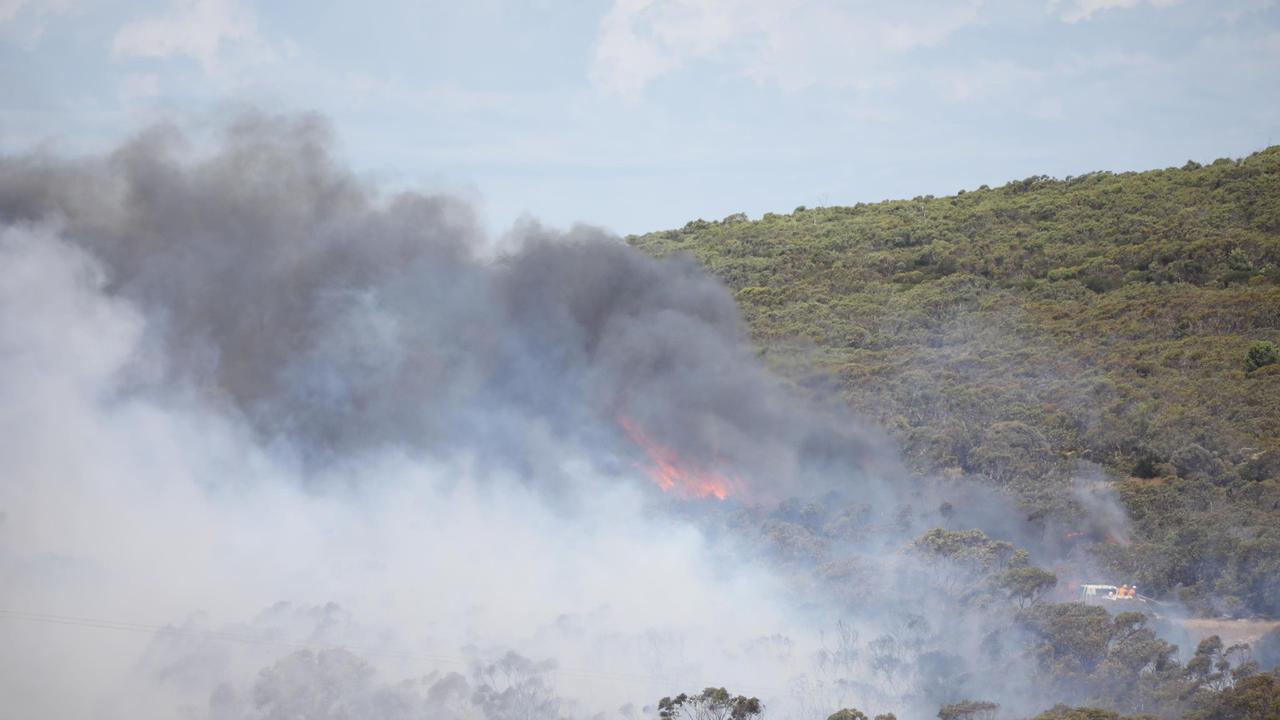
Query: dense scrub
1116,328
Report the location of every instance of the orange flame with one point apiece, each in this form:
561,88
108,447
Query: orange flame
670,471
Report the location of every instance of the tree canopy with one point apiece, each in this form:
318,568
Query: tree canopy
1126,321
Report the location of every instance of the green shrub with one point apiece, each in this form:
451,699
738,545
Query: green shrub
1261,354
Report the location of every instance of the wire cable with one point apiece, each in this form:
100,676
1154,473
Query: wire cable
73,621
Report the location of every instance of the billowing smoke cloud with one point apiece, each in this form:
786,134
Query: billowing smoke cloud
246,379
340,322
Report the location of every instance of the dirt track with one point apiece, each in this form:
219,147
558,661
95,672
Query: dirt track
1231,631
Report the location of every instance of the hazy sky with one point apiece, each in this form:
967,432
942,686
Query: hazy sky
643,114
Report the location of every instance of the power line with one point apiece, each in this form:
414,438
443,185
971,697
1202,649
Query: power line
216,635
212,635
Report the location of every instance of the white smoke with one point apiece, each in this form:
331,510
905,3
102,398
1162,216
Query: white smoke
259,426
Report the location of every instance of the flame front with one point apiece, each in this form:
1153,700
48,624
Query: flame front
671,472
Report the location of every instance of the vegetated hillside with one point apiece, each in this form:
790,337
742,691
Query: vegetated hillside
1125,320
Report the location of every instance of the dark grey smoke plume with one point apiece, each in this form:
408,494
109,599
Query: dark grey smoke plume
342,322
240,377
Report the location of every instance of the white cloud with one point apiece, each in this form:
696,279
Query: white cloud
9,9
137,88
787,42
1073,11
983,79
23,21
198,29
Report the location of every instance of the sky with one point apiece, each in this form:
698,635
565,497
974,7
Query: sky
639,115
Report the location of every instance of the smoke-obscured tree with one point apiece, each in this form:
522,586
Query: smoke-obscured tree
1072,638
514,688
1267,651
942,677
338,685
1026,584
969,548
888,660
839,649
1253,698
1063,712
1119,662
856,714
1208,665
315,685
448,696
1216,666
710,704
968,710
1139,670
972,567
